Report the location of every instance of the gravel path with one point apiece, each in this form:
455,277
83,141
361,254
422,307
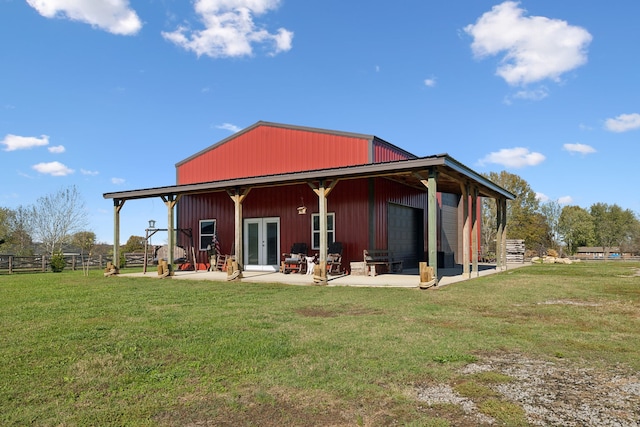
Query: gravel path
552,393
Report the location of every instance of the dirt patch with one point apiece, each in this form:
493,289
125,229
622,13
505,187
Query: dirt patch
570,302
336,311
550,393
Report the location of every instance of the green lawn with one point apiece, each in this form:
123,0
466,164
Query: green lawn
81,350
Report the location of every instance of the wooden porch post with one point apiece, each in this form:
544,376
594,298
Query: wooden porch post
466,237
322,191
170,201
117,206
499,233
503,202
238,196
474,231
432,220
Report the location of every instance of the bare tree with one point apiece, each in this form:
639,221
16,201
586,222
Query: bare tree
55,217
85,240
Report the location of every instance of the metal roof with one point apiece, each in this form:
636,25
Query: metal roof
366,137
450,174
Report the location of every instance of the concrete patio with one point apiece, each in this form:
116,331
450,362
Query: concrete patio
408,279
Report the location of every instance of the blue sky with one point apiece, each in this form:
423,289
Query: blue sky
108,96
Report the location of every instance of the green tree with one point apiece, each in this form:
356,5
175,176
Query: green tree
521,212
85,241
5,225
613,226
575,228
134,244
633,245
14,229
551,211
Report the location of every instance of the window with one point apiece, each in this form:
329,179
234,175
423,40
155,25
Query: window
315,230
207,231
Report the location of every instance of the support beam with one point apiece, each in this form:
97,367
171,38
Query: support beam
499,233
237,196
322,191
503,203
170,201
474,231
117,206
432,221
466,230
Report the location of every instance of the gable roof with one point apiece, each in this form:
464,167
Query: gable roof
366,137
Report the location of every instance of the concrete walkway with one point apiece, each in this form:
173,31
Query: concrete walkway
410,278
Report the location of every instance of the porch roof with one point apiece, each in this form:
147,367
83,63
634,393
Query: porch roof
451,174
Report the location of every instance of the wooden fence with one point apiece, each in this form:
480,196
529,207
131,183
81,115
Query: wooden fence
42,263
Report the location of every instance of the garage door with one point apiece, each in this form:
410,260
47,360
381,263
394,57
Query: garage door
406,234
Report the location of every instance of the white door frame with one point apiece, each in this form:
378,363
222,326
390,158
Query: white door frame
262,245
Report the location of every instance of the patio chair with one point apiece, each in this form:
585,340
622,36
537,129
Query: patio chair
295,261
334,258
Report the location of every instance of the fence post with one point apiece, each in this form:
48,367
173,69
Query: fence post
44,263
10,264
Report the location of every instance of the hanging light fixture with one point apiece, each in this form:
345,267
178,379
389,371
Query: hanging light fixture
302,209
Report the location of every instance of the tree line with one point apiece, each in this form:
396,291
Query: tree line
549,225
60,220
53,222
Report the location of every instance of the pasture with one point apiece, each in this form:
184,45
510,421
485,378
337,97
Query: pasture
79,350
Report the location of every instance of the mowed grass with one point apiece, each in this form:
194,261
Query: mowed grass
81,350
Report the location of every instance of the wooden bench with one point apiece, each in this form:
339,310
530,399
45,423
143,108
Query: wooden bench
381,257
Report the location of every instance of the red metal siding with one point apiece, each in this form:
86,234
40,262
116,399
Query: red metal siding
348,201
218,206
268,150
383,152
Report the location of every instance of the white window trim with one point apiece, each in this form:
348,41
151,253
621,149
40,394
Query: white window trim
200,235
329,231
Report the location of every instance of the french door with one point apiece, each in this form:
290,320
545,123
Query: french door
262,244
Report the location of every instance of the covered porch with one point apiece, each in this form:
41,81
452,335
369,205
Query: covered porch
432,174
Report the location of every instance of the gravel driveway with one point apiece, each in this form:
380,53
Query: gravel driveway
554,393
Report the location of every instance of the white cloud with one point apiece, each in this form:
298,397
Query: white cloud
117,181
114,16
88,172
535,48
56,149
15,142
230,30
579,148
565,200
430,82
517,157
229,127
533,95
53,169
542,198
623,123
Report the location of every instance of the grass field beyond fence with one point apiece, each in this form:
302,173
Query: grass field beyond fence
95,351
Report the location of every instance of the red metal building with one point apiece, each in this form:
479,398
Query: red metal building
271,185
363,213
